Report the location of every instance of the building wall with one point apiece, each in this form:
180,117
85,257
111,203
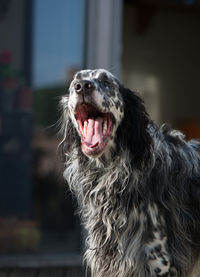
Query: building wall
162,63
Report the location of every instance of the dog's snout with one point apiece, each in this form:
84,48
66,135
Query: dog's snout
84,86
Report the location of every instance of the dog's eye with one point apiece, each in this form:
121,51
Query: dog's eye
106,83
103,79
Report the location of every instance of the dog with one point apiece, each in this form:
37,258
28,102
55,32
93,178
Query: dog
137,185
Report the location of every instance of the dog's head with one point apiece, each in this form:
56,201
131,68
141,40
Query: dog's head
96,109
105,114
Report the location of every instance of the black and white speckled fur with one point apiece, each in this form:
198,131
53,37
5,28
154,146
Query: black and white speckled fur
140,199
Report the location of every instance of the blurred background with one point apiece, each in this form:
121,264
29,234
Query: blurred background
152,46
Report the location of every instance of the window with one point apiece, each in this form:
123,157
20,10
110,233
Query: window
36,211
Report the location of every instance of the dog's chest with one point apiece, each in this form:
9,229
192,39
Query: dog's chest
147,243
137,241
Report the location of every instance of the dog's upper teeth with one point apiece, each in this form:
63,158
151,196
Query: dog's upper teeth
104,126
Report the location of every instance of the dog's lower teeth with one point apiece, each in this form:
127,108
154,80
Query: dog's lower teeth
104,126
85,127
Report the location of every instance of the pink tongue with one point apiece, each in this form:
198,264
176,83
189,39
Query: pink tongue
94,131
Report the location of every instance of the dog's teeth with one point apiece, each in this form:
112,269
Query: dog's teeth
85,127
104,126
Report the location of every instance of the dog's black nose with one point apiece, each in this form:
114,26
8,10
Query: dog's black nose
84,86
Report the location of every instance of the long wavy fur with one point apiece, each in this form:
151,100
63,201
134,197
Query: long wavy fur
146,196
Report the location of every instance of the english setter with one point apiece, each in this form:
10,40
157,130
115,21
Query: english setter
138,186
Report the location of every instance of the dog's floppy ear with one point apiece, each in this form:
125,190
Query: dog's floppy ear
132,132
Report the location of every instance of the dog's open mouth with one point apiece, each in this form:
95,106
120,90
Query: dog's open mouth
95,128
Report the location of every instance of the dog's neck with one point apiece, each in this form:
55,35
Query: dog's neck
91,177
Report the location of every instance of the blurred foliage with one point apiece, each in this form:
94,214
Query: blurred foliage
46,106
7,71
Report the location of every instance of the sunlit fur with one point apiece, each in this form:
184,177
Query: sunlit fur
140,204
